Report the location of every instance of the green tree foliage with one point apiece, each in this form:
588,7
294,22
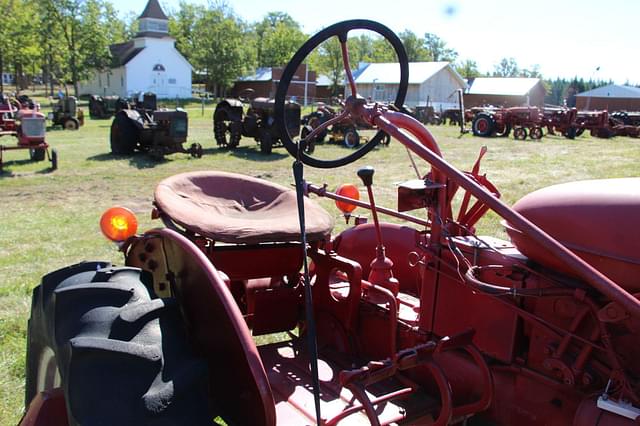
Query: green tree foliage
182,26
438,50
221,47
278,36
416,51
85,27
19,48
507,67
468,69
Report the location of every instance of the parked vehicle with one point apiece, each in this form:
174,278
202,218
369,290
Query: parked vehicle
101,107
67,114
423,322
29,127
231,122
146,128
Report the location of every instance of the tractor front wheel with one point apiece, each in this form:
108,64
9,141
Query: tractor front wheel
227,134
118,351
520,133
37,154
535,133
351,138
71,124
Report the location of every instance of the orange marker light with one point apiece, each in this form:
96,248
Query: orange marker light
118,224
348,190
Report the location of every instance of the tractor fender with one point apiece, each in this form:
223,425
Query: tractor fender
134,116
229,110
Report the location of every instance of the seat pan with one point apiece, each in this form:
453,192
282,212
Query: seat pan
239,209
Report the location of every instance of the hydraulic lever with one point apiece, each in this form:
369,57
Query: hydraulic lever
381,267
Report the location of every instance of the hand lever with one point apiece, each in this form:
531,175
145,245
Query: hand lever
380,269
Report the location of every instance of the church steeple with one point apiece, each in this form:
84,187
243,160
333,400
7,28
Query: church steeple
153,21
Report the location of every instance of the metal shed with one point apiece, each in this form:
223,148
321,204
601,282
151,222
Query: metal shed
613,97
433,83
505,92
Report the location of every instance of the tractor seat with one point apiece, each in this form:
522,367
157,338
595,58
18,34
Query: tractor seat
238,209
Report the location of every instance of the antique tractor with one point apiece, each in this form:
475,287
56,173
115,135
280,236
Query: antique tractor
344,132
500,121
230,123
148,129
420,322
101,107
67,114
29,127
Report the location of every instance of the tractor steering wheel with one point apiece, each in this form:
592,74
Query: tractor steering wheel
339,30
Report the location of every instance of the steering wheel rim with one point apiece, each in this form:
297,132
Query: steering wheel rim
339,30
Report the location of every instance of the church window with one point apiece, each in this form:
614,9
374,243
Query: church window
158,67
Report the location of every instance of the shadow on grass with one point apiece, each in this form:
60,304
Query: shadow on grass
139,160
4,173
252,154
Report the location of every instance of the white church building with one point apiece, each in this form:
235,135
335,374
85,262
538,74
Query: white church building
148,63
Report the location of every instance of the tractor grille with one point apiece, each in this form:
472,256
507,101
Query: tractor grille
33,127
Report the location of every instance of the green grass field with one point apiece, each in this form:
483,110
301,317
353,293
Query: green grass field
50,219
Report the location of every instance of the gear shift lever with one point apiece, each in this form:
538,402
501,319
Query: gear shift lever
381,267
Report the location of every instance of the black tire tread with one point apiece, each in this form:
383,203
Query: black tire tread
122,353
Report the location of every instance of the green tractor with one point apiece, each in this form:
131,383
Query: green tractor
67,114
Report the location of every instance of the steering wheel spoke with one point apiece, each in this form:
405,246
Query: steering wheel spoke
353,104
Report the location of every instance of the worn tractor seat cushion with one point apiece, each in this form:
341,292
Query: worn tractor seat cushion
235,208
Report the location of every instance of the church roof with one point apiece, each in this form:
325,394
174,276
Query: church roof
122,53
153,10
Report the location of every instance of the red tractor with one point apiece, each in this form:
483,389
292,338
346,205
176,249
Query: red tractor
418,323
29,127
500,121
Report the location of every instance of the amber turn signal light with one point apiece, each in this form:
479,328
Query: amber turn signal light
118,224
347,190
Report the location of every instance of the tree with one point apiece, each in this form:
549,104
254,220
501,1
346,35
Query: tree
83,26
468,69
508,67
533,72
437,48
416,51
182,26
19,46
278,36
278,45
221,47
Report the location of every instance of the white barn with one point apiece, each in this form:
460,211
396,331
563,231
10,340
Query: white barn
148,63
435,83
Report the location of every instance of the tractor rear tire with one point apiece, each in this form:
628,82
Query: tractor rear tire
351,138
483,125
266,142
120,353
37,154
124,135
71,124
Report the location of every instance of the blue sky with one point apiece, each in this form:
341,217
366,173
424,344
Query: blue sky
588,38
